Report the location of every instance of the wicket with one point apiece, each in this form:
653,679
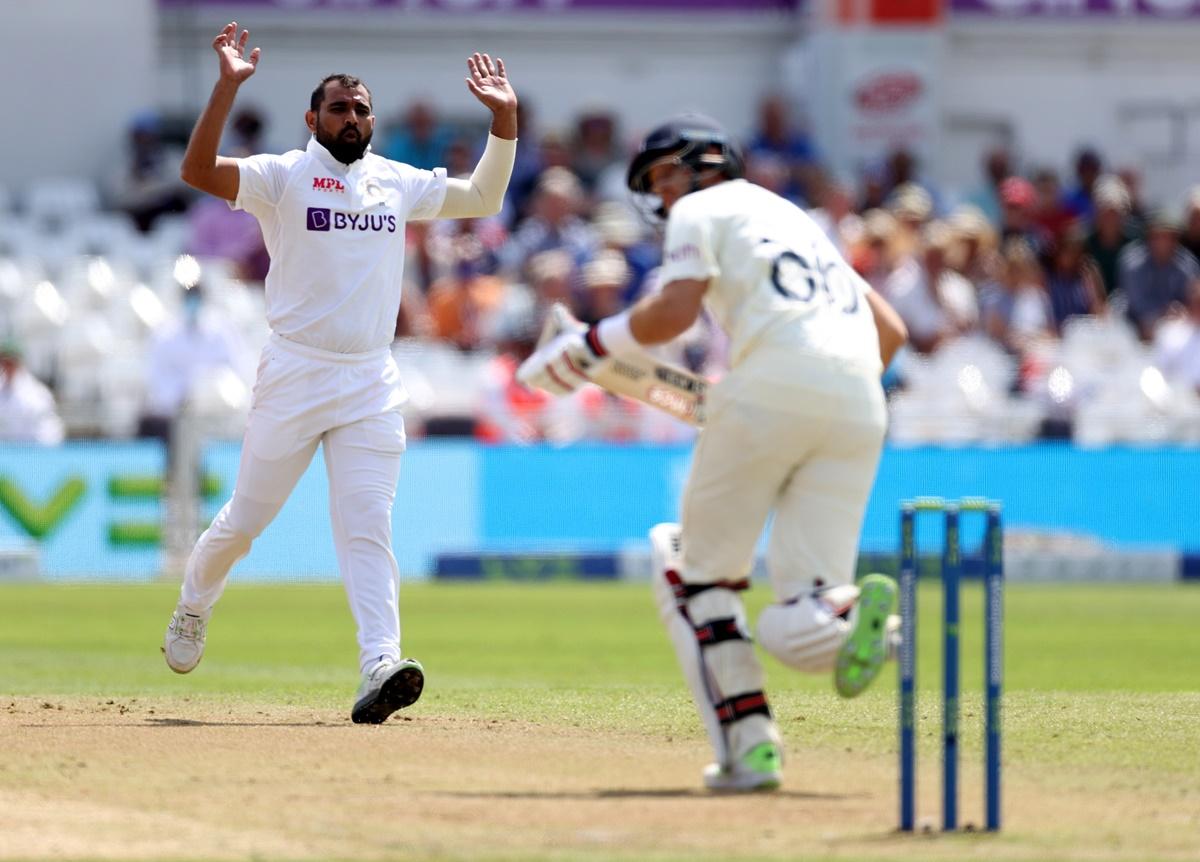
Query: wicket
993,581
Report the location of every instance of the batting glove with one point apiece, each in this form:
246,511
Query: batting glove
565,363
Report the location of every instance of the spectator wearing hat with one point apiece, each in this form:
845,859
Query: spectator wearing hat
879,249
420,139
605,279
619,229
1018,203
975,256
551,276
1155,274
28,413
935,302
1112,229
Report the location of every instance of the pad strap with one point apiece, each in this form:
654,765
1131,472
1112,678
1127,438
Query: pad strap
684,591
736,708
718,631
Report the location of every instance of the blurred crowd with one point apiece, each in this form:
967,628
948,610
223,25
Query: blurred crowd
1038,305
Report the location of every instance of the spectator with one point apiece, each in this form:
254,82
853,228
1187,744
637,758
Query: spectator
619,229
1048,211
28,413
912,206
835,213
420,140
246,135
1177,344
513,413
1073,282
554,222
975,255
880,250
605,279
451,244
595,147
1111,230
776,135
935,302
1018,199
462,307
1139,213
148,184
549,275
181,356
771,172
1190,237
1013,308
1078,199
997,167
1156,274
217,232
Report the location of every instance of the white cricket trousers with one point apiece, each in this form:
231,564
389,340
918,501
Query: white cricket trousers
350,404
792,434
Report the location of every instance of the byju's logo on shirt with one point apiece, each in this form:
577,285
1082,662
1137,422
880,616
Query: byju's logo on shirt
321,219
328,184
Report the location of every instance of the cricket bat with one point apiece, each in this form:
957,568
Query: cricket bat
642,377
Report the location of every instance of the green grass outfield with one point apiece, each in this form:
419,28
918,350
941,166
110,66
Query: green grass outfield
596,655
1102,681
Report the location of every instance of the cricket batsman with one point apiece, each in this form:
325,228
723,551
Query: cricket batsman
332,217
795,429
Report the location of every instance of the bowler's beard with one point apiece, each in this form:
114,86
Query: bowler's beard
347,149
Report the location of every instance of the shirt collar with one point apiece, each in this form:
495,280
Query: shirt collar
326,158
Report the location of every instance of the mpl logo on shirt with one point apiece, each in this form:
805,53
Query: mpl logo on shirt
324,220
328,184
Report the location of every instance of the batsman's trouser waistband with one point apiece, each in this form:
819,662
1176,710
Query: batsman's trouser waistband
299,349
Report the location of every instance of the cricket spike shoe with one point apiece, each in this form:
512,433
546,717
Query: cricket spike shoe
183,646
869,642
758,770
389,686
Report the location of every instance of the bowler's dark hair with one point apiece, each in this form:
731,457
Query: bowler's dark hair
318,95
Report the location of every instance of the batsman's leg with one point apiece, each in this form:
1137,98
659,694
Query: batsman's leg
707,627
812,554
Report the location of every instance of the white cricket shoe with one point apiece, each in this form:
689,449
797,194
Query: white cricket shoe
759,769
183,645
387,687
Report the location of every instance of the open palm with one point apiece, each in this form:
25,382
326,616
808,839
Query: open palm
230,49
489,83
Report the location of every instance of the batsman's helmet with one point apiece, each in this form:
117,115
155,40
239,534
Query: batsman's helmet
693,140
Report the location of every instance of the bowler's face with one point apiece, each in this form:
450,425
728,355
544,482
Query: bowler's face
345,114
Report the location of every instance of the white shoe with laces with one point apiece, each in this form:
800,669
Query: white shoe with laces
183,645
387,687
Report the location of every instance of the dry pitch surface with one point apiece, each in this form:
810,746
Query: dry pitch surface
602,773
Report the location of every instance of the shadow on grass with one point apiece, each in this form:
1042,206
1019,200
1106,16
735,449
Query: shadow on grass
635,793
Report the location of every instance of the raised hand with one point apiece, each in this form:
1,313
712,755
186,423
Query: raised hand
489,83
229,47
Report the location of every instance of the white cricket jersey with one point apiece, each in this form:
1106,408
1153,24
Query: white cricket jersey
775,278
335,234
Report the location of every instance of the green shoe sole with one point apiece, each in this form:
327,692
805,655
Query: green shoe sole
864,652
